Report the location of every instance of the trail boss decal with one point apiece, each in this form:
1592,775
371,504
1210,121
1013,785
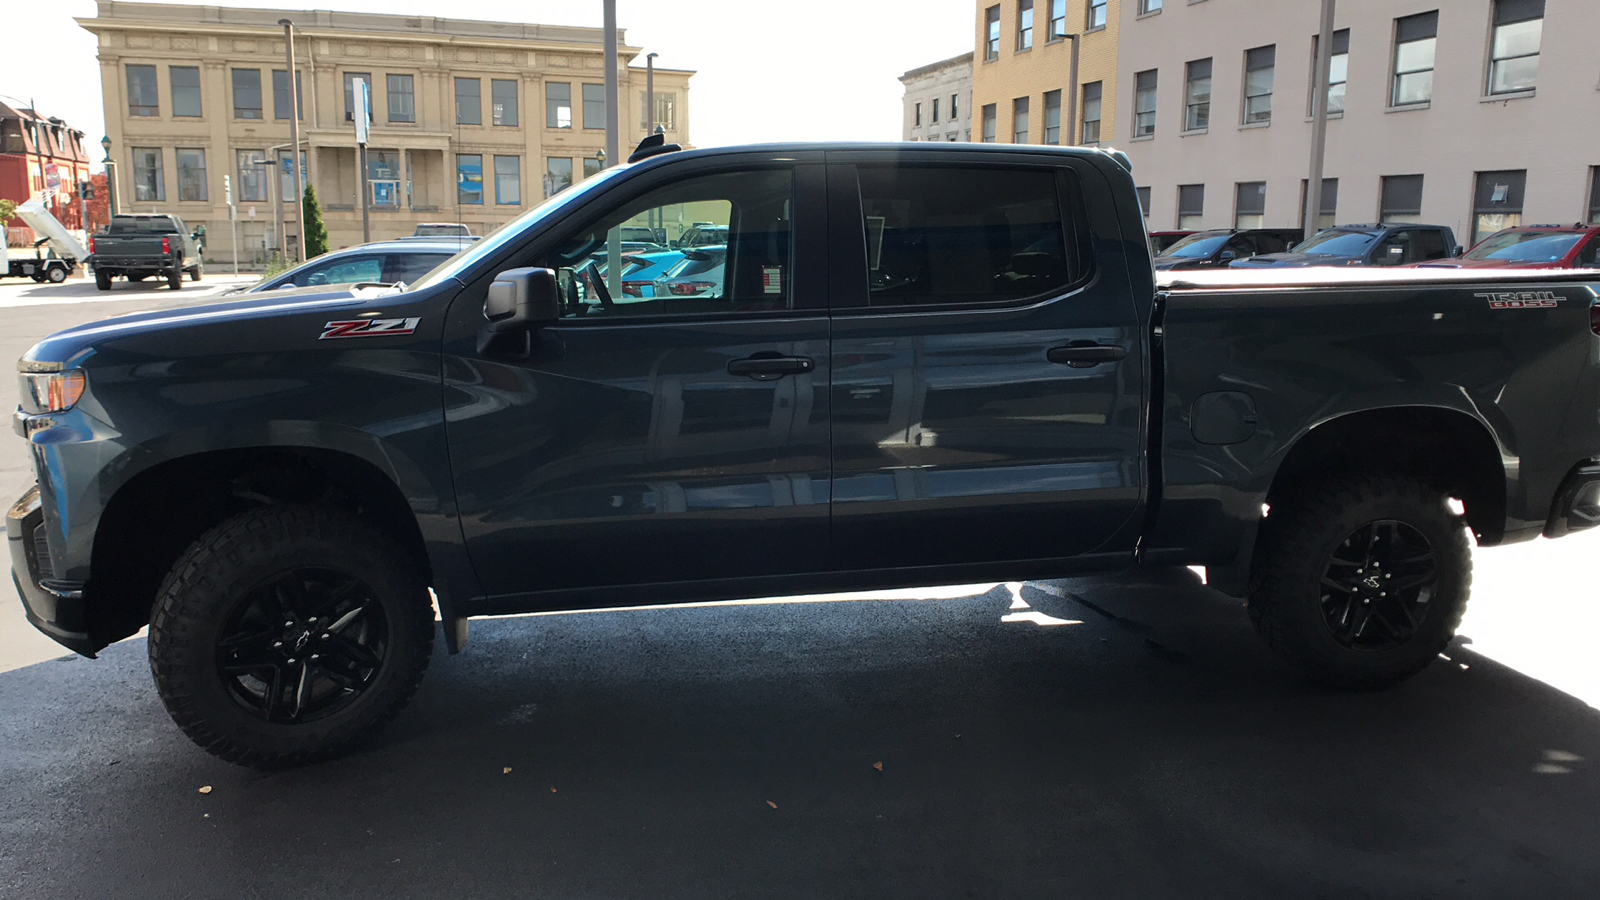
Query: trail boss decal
1522,300
355,328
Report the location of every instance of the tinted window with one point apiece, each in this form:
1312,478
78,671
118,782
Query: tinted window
408,267
748,270
339,271
958,235
1337,243
1197,246
1589,256
1428,245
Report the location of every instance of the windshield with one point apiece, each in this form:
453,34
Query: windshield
516,228
1526,246
1197,246
1337,243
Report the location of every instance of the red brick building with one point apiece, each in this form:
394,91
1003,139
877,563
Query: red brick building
40,156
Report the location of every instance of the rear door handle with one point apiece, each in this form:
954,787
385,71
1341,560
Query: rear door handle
768,368
1084,354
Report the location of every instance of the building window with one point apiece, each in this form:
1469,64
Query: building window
252,176
503,102
142,91
469,101
989,115
1019,120
1058,20
1143,193
1149,6
1497,203
591,167
148,182
186,90
1328,203
247,93
402,98
1144,104
557,175
1414,39
991,45
1594,195
666,112
280,95
1197,95
1338,70
1097,15
936,109
191,174
1191,206
1401,199
916,114
1250,204
1259,65
1091,113
953,112
286,176
1052,117
557,106
508,180
1024,24
1514,52
383,177
350,92
469,179
594,106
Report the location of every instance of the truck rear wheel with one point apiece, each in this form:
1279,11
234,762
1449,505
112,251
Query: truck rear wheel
1362,582
102,281
175,278
194,270
289,634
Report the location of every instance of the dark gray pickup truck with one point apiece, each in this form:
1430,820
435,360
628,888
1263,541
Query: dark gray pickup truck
925,364
141,246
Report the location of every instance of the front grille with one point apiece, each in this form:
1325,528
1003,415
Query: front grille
41,552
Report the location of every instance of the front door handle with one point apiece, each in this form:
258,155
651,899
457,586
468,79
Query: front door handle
768,368
1084,354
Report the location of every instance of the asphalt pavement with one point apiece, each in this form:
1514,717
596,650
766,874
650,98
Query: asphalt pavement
1111,737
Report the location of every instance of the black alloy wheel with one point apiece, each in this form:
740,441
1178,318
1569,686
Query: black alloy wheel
1377,586
303,645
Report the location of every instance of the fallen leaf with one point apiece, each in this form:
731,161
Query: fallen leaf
878,766
771,804
206,789
506,771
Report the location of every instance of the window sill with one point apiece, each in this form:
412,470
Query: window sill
990,59
1249,126
1509,95
1337,115
1194,131
1021,50
1146,15
1145,137
1094,30
1409,107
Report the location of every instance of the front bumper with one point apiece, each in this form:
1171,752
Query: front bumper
1577,504
54,607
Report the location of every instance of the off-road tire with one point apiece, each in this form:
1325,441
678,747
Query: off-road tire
194,272
216,576
175,278
102,281
1299,541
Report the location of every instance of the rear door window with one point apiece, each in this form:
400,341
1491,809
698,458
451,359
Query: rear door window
408,267
1428,244
953,235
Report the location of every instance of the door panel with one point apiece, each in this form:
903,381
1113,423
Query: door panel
956,439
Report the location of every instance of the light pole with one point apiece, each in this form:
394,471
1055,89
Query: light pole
1319,121
1076,137
294,140
650,93
269,170
111,175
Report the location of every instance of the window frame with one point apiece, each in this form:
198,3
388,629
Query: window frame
1197,211
1386,212
1516,190
553,106
159,170
250,174
991,25
1024,25
1099,111
299,95
482,200
1021,109
1253,65
1240,189
1093,22
1397,74
517,161
1594,195
473,97
1057,22
989,130
1501,17
390,94
1051,135
148,90
1190,103
198,92
1155,104
499,106
1341,37
350,91
1149,7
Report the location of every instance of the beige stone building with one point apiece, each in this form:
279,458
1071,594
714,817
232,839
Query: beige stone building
1021,89
938,101
1476,114
472,122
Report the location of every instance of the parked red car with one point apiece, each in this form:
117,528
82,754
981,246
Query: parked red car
1530,247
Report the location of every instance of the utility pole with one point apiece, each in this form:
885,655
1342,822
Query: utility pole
613,147
1074,138
363,119
1319,120
273,173
233,218
650,94
294,140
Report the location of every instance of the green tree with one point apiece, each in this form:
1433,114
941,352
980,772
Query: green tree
8,208
316,232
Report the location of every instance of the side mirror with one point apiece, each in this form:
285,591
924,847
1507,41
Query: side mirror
1459,251
285,286
522,300
1227,256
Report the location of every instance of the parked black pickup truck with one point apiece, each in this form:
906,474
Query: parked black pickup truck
926,364
141,246
1362,245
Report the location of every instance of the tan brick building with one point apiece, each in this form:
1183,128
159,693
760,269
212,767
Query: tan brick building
472,122
1022,68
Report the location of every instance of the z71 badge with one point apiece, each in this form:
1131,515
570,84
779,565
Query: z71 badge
1522,299
355,328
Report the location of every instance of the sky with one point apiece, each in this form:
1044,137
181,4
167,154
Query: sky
810,70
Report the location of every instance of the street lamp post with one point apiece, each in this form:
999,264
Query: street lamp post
1319,120
294,139
111,176
1076,136
650,93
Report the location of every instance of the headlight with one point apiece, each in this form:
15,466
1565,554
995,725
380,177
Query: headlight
51,392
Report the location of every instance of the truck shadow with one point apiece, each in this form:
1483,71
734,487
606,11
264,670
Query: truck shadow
1120,736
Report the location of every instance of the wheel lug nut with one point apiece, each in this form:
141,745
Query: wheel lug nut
291,660
288,624
326,635
277,644
1383,594
312,620
315,656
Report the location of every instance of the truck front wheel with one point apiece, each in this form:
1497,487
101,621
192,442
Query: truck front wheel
289,634
1362,582
56,274
175,278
